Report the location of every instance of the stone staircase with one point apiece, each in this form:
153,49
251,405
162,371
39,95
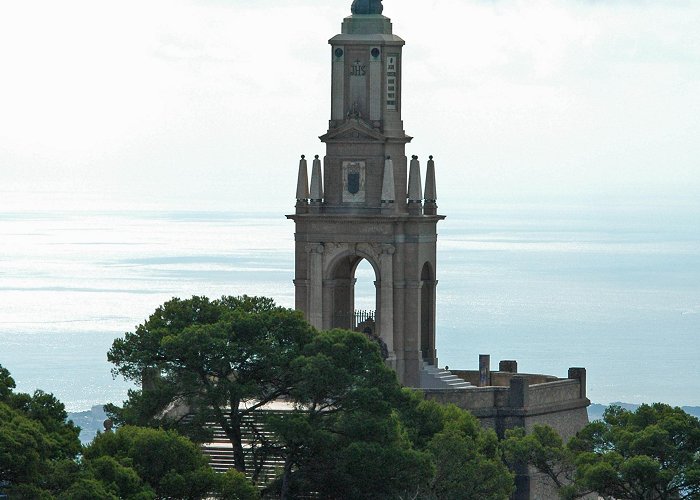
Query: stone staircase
432,377
220,451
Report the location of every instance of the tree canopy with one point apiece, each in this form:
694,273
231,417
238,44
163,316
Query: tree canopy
466,458
41,458
138,462
345,440
203,359
351,432
34,438
652,453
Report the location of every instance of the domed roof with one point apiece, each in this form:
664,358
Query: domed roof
367,7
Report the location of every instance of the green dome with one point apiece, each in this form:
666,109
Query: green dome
367,7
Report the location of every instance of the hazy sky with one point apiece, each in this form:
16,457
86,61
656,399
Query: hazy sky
200,103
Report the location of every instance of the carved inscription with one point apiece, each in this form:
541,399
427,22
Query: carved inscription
358,68
364,228
392,68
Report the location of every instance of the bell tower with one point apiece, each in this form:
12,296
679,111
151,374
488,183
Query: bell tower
367,202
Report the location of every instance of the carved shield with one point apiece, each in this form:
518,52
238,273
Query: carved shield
354,182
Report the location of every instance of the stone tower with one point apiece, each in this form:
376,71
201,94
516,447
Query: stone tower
369,203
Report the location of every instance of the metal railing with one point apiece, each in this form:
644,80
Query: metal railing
351,320
362,315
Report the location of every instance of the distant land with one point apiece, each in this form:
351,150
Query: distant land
91,421
595,411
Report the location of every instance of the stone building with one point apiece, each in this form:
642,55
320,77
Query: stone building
359,208
367,201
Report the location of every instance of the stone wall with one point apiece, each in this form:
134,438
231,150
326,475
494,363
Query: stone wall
523,400
501,378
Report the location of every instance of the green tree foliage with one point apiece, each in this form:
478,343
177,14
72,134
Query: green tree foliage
41,458
209,357
138,460
34,438
467,459
354,432
233,485
652,453
22,456
61,437
138,463
346,440
545,450
87,489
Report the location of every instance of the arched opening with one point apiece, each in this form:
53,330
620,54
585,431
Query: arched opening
353,288
427,314
354,294
365,314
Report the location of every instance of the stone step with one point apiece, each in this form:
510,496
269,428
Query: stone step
437,378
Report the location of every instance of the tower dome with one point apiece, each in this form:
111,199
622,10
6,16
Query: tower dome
364,7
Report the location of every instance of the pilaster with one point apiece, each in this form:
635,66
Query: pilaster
315,302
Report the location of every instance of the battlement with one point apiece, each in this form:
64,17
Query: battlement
506,399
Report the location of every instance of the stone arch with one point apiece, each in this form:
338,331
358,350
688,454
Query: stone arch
339,285
427,315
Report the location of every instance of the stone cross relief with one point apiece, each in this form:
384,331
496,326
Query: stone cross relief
367,7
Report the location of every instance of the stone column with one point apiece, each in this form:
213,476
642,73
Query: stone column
386,299
316,285
399,305
428,322
412,322
375,84
328,304
338,84
301,296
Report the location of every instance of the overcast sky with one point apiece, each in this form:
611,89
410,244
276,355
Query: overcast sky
209,103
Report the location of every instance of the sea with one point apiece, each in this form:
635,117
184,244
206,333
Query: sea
613,287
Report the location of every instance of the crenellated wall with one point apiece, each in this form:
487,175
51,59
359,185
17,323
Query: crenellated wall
501,378
522,400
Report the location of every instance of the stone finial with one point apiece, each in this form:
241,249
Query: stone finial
316,181
430,189
415,190
367,7
302,181
388,188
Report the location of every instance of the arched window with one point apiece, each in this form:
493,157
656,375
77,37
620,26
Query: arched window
365,314
354,294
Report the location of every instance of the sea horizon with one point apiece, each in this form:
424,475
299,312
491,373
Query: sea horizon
611,287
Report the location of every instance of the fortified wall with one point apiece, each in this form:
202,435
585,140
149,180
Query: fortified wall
505,399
